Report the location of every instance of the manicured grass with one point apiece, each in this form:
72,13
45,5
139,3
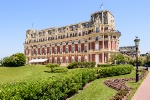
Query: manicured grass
15,74
96,90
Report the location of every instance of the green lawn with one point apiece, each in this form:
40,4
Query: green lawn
15,74
96,90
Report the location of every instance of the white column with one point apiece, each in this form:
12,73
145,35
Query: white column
103,41
108,42
108,55
103,57
97,59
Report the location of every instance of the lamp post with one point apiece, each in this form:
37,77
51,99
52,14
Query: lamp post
147,61
137,45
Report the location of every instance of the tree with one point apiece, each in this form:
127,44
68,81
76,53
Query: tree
119,58
116,58
127,59
14,60
147,60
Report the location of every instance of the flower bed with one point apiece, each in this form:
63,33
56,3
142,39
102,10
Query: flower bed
121,87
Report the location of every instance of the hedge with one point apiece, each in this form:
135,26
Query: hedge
105,65
58,87
81,65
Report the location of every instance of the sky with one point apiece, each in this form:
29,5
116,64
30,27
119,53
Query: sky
132,18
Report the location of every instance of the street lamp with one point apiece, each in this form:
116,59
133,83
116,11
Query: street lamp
137,45
147,61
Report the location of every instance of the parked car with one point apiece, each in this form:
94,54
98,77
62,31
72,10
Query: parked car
146,65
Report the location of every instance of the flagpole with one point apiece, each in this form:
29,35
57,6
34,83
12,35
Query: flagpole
102,17
102,27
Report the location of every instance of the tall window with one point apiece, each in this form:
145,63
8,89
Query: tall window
79,60
55,60
72,60
55,51
50,50
41,51
72,50
60,50
96,21
56,37
79,49
86,32
66,60
27,52
85,60
66,35
60,60
66,50
85,48
45,52
97,29
96,38
36,52
32,53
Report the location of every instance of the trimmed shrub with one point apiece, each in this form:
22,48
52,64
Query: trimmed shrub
114,71
58,87
60,70
52,66
81,65
105,65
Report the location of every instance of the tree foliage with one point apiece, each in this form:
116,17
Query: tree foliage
147,60
120,58
14,60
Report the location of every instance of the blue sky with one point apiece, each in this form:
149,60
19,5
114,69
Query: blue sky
132,18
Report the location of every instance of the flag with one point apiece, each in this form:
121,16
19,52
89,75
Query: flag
101,6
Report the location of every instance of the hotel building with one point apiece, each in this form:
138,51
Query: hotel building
90,41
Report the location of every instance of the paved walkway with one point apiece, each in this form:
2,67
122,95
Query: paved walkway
143,92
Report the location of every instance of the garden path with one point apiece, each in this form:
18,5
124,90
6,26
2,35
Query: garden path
143,92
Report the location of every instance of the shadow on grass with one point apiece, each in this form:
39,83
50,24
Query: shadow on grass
48,71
